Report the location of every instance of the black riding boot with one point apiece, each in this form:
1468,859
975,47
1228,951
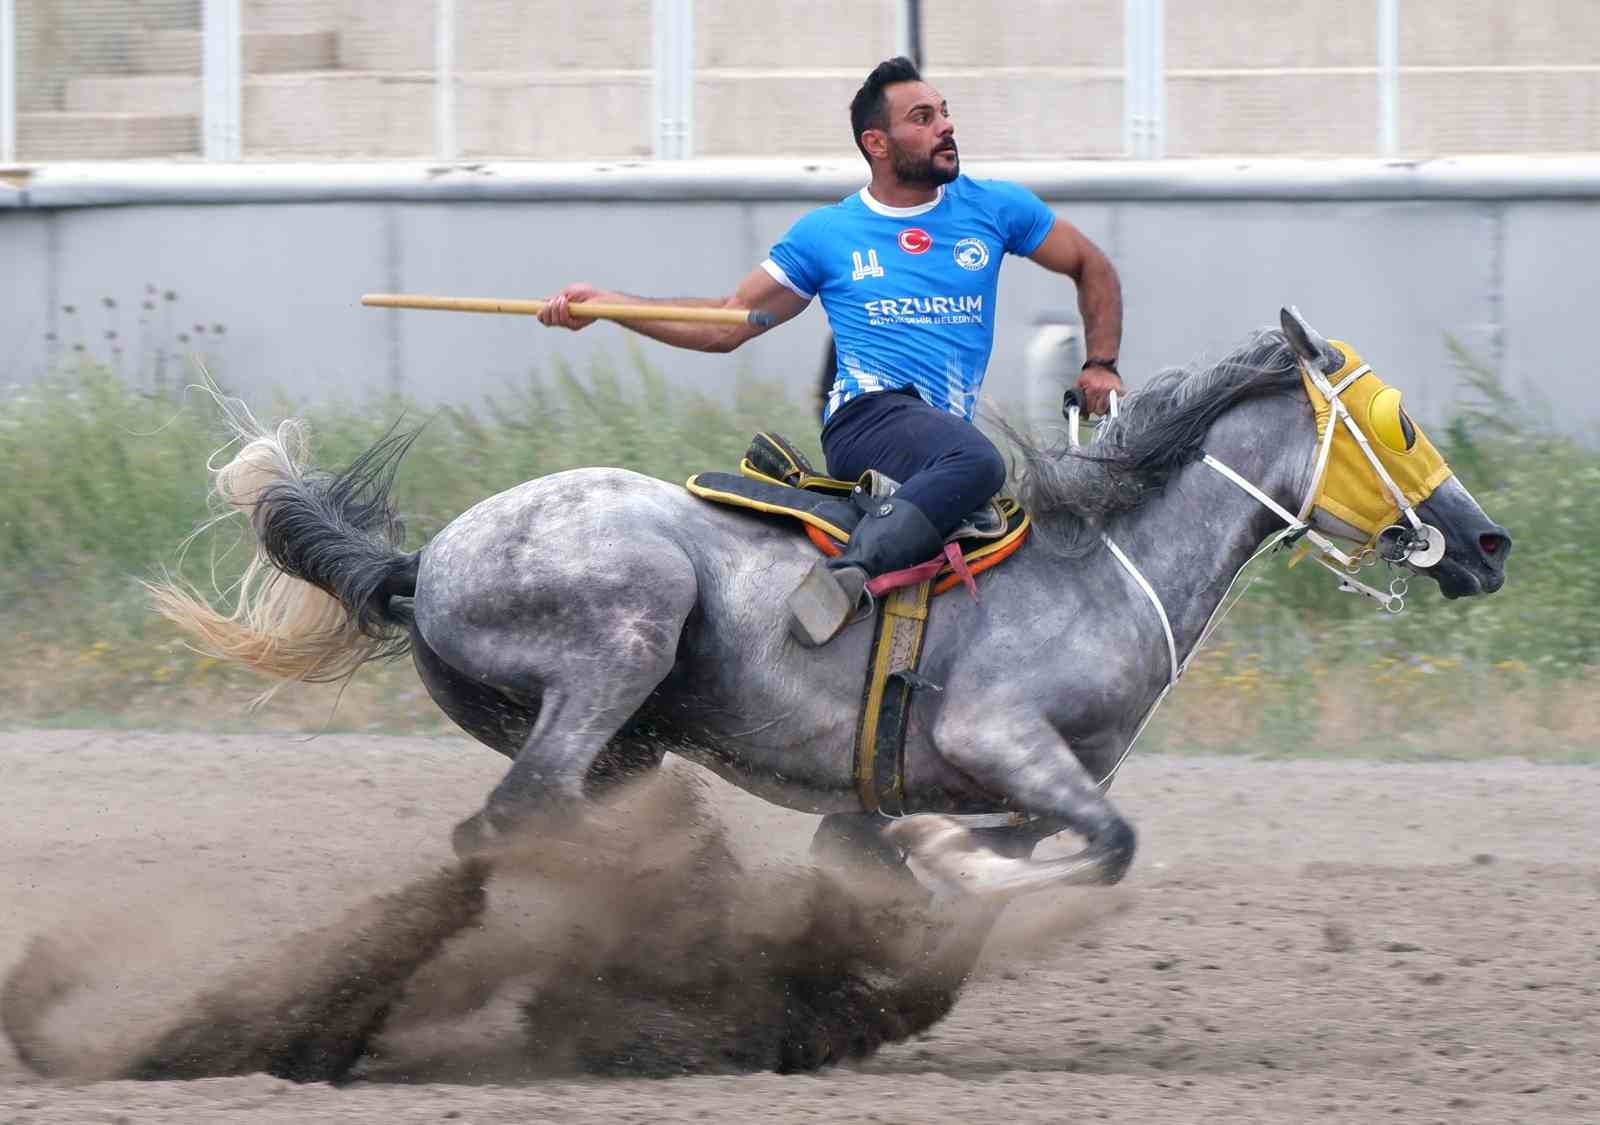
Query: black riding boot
893,536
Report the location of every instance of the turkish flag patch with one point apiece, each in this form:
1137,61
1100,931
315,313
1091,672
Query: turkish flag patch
915,240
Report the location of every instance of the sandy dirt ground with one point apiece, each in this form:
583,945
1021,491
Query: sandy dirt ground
1298,941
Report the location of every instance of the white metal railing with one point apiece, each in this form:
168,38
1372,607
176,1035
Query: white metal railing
1388,77
221,61
444,81
1144,95
908,29
673,84
8,81
1477,179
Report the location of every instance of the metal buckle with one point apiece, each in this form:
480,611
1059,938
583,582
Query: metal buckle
868,608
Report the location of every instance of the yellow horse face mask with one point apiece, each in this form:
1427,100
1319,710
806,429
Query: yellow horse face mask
1349,494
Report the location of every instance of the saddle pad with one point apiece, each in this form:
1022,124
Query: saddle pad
833,514
774,459
830,517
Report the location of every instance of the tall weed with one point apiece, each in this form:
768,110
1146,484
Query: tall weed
104,481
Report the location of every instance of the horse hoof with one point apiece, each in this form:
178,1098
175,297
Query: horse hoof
475,838
950,860
930,833
945,857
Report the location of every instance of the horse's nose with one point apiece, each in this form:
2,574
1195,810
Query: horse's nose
1494,545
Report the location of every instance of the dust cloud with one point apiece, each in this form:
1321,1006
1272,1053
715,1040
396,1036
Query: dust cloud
634,942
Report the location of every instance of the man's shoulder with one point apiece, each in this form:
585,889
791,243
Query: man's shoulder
991,192
840,210
829,218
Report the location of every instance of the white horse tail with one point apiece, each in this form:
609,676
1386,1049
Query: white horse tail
314,604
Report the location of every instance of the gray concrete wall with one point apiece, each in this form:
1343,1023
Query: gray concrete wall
1391,257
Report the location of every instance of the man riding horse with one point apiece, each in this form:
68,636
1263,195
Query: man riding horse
906,269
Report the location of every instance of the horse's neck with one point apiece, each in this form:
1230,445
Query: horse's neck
1191,540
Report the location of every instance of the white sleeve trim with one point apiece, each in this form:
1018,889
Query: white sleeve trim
775,271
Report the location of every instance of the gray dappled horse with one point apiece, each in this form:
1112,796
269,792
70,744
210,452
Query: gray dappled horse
587,622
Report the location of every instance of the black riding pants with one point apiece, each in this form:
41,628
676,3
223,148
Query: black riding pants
944,464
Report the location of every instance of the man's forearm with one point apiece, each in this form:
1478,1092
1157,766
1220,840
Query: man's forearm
700,336
1100,305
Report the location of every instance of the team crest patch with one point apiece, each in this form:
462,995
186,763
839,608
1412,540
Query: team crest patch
915,240
972,254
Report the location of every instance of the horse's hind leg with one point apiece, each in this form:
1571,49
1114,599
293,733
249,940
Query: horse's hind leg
590,673
494,718
576,722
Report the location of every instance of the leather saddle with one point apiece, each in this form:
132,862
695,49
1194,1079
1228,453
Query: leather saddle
775,478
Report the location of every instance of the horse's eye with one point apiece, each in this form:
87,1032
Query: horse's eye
1389,423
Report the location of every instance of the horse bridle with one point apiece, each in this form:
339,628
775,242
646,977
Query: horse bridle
1414,543
1420,544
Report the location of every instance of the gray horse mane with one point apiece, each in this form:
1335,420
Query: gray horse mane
1162,427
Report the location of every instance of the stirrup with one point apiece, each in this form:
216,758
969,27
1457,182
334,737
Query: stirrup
821,606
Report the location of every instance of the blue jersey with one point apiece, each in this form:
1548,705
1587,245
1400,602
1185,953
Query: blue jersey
909,291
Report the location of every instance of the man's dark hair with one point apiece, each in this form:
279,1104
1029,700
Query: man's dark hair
867,108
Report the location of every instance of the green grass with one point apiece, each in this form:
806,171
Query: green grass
105,482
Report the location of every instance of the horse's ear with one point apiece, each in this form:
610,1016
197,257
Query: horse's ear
1308,343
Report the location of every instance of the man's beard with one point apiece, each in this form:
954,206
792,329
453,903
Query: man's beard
923,171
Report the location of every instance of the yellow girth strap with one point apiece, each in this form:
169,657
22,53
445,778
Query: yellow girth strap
886,703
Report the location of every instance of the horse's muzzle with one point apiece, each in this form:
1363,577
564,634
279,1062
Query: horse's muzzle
1476,547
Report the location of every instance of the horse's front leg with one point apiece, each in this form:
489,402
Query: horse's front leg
1020,756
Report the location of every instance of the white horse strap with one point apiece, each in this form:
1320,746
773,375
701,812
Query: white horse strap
1155,600
1074,415
1297,524
1127,563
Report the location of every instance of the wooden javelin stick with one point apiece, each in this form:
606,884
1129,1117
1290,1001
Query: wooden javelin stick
593,309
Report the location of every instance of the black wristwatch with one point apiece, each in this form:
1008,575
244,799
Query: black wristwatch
1102,361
